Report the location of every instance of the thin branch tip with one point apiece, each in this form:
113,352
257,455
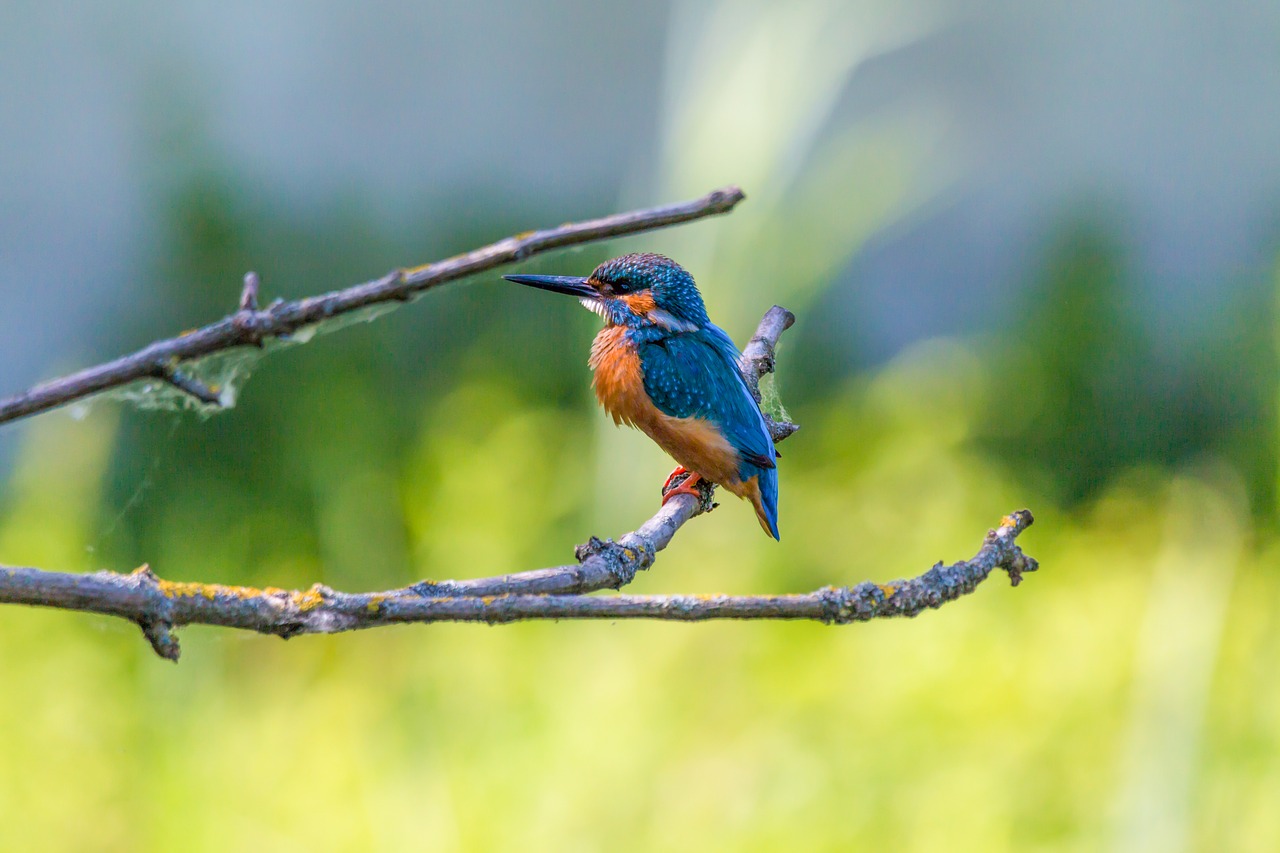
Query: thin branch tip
1020,520
189,385
163,642
787,318
728,196
249,295
1017,563
781,430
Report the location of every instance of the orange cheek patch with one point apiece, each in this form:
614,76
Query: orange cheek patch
640,303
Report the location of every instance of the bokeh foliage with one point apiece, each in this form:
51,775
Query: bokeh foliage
1123,695
1123,698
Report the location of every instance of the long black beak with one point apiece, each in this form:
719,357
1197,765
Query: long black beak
567,284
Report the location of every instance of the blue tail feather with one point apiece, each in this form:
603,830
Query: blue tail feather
769,498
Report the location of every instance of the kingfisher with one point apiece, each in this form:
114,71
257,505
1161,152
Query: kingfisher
661,365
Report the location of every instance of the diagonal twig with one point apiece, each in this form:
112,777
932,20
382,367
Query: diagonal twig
250,326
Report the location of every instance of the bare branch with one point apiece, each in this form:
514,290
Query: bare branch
602,564
158,605
758,359
760,353
251,327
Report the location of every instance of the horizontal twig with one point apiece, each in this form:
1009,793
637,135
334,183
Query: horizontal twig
158,605
250,326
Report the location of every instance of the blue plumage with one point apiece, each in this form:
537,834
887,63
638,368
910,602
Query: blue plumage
695,374
688,368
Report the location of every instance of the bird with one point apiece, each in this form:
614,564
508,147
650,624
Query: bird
661,365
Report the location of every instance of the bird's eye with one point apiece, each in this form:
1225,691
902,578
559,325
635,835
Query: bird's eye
615,286
622,285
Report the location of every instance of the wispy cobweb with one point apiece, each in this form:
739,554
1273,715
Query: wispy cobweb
224,372
771,398
333,324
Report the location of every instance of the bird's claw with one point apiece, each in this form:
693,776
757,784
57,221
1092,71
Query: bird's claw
676,478
684,482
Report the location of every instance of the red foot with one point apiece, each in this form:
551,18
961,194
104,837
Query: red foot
688,487
680,469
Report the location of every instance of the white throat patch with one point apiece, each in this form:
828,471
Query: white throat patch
671,322
594,305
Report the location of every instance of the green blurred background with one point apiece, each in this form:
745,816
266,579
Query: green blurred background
1032,254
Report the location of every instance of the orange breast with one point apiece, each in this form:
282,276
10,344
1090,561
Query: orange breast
695,443
617,377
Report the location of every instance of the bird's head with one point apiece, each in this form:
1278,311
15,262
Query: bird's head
636,290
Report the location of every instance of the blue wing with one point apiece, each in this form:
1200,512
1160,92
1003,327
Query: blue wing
696,375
